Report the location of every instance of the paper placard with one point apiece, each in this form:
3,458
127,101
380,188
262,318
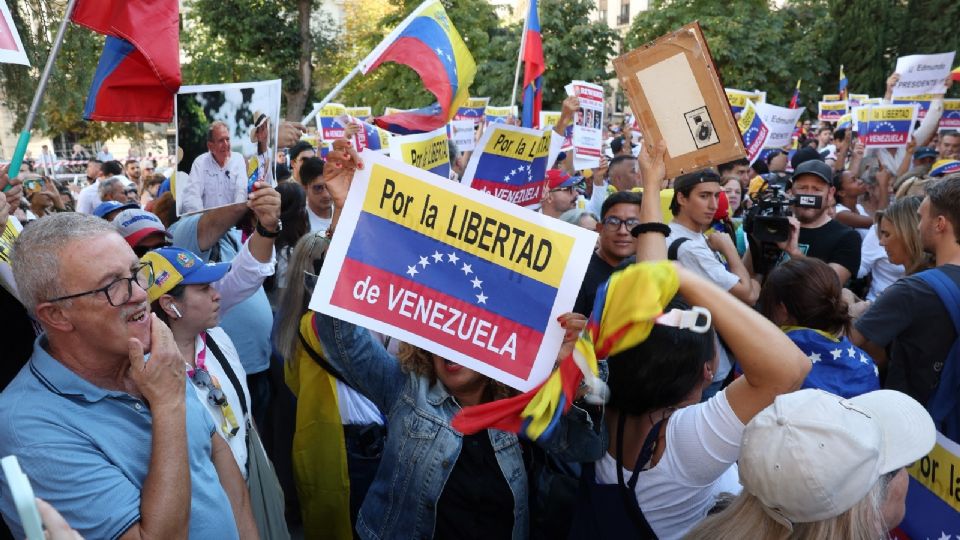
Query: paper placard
781,121
428,151
832,111
923,74
755,133
462,133
469,277
673,88
587,138
510,163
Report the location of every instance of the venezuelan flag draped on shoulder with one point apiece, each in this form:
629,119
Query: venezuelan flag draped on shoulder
427,42
139,71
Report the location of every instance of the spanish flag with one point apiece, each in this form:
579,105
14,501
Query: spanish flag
427,42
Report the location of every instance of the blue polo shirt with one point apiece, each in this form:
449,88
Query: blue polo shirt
86,451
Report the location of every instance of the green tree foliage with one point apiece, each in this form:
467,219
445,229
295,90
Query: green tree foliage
61,109
864,40
575,47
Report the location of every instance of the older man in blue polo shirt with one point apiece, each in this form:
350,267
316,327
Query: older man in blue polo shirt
108,434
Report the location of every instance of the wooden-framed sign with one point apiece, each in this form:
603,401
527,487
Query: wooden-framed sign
676,94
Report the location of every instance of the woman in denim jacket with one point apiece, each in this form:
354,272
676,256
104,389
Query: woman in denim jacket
432,480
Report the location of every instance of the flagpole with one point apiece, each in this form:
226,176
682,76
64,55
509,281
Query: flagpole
516,75
332,94
24,139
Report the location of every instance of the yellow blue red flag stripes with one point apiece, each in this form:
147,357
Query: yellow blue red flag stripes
622,317
510,163
454,271
427,42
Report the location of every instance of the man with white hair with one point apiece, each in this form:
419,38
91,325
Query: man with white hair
218,176
107,432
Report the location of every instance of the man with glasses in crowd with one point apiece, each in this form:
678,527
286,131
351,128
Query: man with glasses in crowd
560,194
619,215
125,433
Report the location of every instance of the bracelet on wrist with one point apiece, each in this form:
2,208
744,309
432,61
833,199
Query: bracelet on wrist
652,226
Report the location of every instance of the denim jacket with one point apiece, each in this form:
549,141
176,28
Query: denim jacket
421,447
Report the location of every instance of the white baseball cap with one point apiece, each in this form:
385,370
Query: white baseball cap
812,455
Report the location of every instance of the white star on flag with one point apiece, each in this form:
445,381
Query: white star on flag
481,299
815,357
944,536
876,371
863,359
467,269
476,282
852,352
453,258
412,270
836,353
437,256
439,50
424,262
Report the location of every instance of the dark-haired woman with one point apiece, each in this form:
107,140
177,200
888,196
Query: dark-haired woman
803,296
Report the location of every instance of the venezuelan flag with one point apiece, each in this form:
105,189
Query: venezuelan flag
427,42
533,69
795,100
842,87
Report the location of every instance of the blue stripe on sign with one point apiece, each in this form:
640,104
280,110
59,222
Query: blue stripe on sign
496,168
397,249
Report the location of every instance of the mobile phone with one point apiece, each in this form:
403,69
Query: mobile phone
23,498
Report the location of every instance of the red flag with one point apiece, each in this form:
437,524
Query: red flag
139,70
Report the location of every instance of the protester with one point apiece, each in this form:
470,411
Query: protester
299,153
189,304
559,194
619,215
131,169
777,161
293,214
739,168
337,430
113,189
813,233
580,218
149,188
109,209
104,154
856,489
472,485
734,190
218,176
214,238
848,211
623,174
89,196
134,436
319,203
949,145
804,297
909,329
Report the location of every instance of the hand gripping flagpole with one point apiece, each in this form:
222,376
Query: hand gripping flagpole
24,139
516,75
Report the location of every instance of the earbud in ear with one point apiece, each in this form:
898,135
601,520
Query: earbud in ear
175,310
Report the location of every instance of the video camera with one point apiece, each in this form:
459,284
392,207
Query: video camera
766,221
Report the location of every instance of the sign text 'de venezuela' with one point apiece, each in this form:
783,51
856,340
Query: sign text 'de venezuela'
460,273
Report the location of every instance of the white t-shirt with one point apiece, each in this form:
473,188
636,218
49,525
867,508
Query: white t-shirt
873,259
89,198
238,442
695,255
699,463
317,223
860,211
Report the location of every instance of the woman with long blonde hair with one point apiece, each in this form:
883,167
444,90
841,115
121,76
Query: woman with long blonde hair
898,228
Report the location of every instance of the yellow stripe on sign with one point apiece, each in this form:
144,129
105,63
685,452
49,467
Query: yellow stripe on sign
333,109
428,154
736,99
465,224
951,104
474,103
515,145
891,113
746,118
939,471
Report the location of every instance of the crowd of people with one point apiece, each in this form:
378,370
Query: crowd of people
164,377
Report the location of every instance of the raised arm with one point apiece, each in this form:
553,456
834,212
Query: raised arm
651,245
771,363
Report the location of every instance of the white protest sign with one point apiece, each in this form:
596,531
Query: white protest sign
11,48
781,122
462,134
587,125
469,277
923,74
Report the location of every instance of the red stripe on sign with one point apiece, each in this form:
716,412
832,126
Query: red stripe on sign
524,195
453,323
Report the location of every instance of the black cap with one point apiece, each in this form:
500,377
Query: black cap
692,179
803,155
301,146
816,168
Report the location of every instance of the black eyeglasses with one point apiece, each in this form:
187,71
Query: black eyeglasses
118,295
613,223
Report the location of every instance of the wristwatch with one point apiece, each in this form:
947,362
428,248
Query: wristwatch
268,234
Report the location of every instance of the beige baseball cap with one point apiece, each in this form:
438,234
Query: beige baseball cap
812,455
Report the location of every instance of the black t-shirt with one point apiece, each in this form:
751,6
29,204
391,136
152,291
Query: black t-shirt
832,242
476,502
598,272
16,335
910,320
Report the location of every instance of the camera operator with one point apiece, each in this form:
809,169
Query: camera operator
813,232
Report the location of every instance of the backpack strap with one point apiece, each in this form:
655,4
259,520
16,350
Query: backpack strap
320,360
228,369
674,250
943,405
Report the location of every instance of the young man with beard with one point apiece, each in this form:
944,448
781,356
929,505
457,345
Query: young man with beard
813,232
